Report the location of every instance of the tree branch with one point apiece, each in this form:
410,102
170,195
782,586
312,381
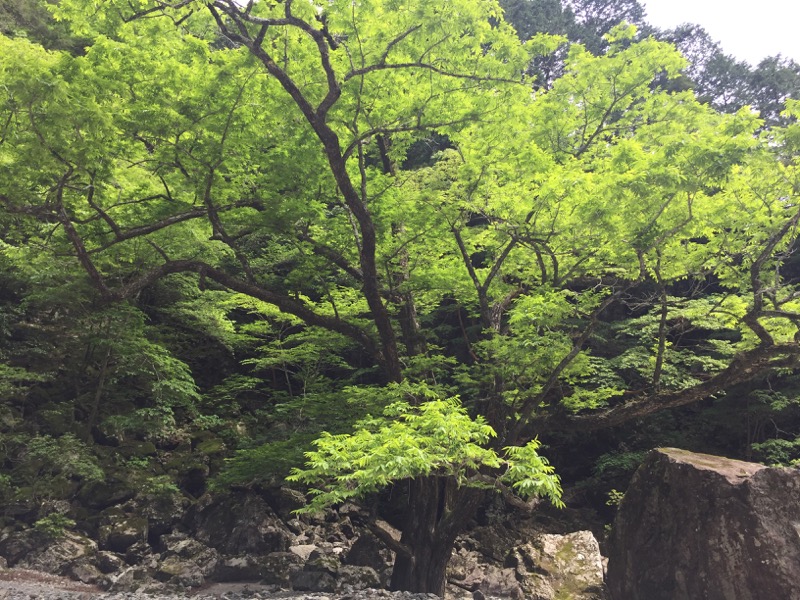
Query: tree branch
744,367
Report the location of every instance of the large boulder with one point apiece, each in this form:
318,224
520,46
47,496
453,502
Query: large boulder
57,554
241,523
545,567
699,526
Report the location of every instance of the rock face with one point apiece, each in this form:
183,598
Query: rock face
698,526
246,538
543,566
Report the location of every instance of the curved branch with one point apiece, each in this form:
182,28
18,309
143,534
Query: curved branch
285,304
744,367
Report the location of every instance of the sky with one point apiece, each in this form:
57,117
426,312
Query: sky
748,30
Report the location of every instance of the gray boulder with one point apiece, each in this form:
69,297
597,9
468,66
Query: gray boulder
699,526
560,566
241,523
56,555
546,567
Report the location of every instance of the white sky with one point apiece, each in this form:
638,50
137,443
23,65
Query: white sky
748,30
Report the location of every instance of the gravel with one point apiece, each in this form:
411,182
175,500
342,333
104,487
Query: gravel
21,584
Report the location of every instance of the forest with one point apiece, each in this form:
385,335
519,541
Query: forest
427,250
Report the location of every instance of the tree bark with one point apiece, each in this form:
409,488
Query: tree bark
436,513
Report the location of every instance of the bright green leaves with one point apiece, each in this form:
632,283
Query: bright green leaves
435,438
530,474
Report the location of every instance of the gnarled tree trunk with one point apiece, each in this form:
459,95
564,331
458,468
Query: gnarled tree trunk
437,512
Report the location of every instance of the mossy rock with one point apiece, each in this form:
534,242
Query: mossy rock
103,494
137,449
211,446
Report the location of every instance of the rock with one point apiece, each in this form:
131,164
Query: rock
180,571
58,554
16,545
190,550
514,560
109,562
351,578
698,526
128,580
279,567
163,512
84,571
313,581
274,568
320,561
240,524
560,566
369,551
303,550
122,531
472,571
138,553
285,501
106,493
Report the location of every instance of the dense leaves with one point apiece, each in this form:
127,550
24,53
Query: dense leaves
236,226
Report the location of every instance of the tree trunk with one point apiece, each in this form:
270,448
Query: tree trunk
437,512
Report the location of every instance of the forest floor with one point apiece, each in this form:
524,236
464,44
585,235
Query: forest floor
24,584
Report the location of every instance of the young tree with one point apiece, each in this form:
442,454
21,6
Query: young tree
262,145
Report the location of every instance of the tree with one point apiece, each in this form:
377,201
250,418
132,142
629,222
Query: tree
260,147
728,84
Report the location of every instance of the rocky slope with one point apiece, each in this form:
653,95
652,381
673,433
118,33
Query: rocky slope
250,543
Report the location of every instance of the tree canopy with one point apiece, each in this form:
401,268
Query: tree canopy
538,271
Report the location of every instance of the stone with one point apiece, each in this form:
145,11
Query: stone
275,568
320,561
238,568
58,554
16,545
303,550
106,493
515,560
313,581
180,571
109,562
279,567
241,523
162,511
122,531
84,571
190,550
369,551
472,570
699,526
285,501
128,580
351,578
554,566
139,553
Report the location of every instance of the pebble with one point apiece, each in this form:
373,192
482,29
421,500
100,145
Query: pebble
24,588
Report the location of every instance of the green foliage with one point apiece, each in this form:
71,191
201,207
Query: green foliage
270,462
64,457
45,467
616,463
778,451
436,438
238,236
614,497
54,525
